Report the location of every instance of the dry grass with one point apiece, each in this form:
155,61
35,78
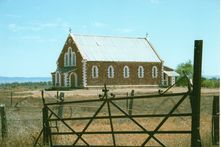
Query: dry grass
25,120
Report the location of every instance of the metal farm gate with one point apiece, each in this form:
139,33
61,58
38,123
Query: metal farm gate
85,136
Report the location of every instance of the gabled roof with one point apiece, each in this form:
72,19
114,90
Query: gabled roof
170,72
106,48
166,68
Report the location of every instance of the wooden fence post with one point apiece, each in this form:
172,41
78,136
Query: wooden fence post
46,129
60,107
215,121
45,126
3,121
195,97
130,108
57,94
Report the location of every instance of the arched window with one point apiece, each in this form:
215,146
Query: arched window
140,72
110,71
65,60
154,72
94,72
73,59
70,58
57,79
126,72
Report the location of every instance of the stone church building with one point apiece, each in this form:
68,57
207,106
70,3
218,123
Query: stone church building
90,61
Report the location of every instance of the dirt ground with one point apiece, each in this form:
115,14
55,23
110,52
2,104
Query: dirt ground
24,116
94,92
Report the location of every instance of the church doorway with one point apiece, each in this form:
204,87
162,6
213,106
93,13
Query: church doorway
73,80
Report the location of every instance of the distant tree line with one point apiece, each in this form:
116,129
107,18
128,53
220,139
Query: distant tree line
25,85
210,83
187,68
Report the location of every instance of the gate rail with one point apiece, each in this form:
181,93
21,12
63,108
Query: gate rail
105,99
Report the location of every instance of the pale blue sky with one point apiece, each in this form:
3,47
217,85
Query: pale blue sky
32,33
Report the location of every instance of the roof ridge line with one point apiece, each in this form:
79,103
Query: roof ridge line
73,34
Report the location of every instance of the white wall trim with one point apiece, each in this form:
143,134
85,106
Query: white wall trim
66,80
162,73
84,72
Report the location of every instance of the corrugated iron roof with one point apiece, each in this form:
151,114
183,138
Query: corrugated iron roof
171,73
106,48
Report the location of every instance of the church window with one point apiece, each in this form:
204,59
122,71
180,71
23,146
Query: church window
94,72
140,72
154,72
110,71
126,72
